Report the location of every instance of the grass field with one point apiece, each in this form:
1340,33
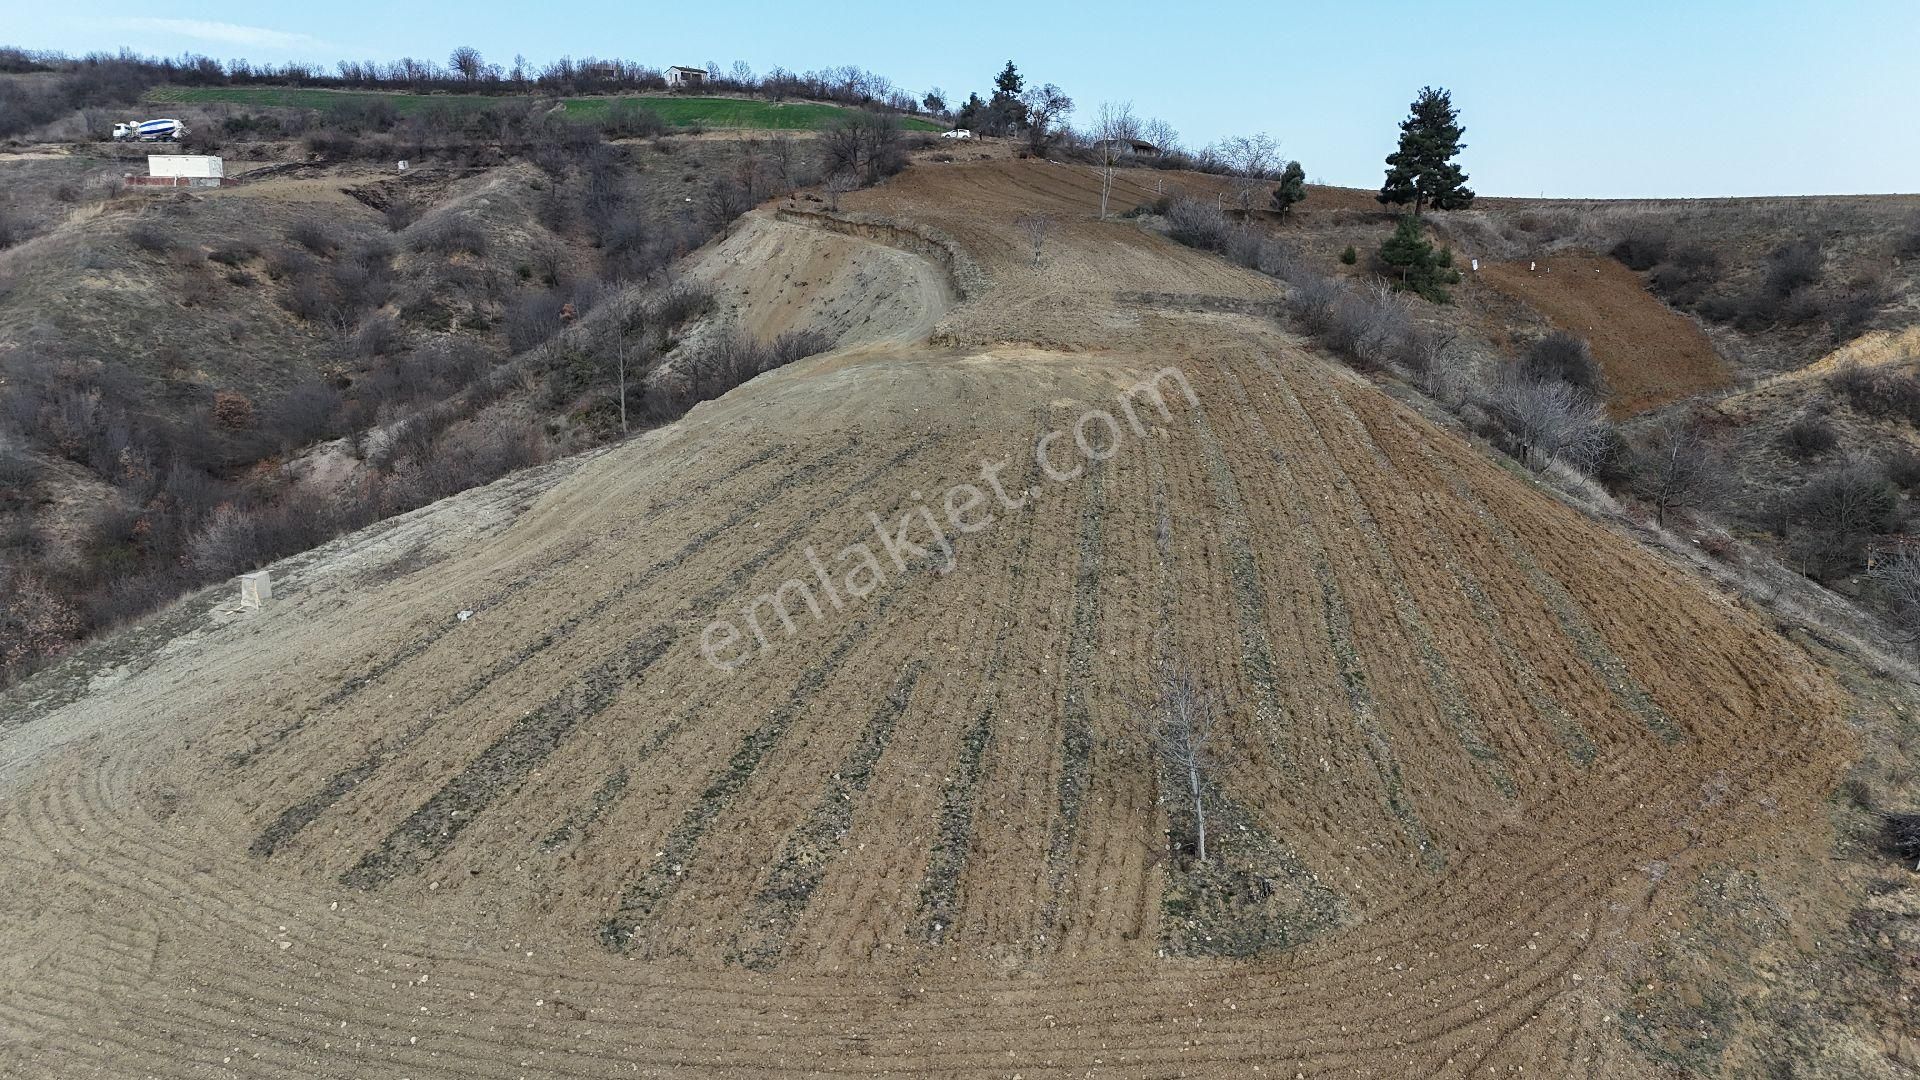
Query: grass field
676,111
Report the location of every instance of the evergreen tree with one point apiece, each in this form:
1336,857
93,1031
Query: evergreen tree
1415,266
972,114
1422,171
1006,113
1292,189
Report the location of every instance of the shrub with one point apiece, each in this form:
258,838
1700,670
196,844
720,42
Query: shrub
1793,265
1901,835
1906,241
450,234
1810,436
1549,420
1349,256
308,412
1199,225
1838,508
314,236
12,231
151,236
1687,274
1564,357
1641,251
1879,392
377,336
401,213
233,252
232,410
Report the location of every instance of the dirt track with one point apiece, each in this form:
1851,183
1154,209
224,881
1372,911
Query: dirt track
1473,735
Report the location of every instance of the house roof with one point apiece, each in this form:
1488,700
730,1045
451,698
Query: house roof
683,67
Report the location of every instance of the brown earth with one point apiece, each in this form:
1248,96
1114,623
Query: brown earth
1651,354
1480,749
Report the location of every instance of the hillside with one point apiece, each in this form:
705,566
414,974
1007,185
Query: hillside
676,111
467,799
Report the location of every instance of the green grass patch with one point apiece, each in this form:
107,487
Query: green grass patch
713,112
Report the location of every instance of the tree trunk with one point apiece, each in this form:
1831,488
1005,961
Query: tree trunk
1199,812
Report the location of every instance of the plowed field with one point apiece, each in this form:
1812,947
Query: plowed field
1469,733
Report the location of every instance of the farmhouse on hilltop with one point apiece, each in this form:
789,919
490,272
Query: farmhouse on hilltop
686,76
1129,148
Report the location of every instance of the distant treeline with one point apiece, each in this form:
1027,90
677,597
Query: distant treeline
103,78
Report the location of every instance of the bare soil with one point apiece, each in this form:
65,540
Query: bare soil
1486,754
1651,354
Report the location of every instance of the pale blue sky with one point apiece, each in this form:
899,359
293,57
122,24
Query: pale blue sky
1708,97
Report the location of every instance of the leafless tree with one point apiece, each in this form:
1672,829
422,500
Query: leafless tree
1252,159
467,63
1035,227
1679,469
1180,725
839,184
1114,130
1552,420
1046,107
1897,573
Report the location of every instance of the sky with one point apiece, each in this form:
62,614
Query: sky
1624,99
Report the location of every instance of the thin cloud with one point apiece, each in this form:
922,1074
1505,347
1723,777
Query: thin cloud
252,37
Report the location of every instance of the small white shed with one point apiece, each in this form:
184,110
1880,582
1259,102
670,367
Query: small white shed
197,166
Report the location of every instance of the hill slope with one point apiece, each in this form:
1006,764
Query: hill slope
467,800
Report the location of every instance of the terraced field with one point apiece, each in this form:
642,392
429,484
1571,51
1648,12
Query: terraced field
1470,735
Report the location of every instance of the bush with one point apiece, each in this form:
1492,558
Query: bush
1564,357
233,252
315,237
1836,510
1686,275
1791,266
1879,392
1810,436
232,410
308,412
12,231
152,237
1199,225
1906,240
378,336
1641,251
1349,256
1901,835
401,213
450,234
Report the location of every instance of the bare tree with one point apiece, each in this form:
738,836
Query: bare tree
1552,420
839,184
1678,469
1180,726
1114,130
1897,573
1035,227
467,63
1046,107
1252,159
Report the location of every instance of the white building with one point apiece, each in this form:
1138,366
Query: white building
180,170
686,76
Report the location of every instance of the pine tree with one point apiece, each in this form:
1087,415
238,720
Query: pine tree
1292,189
1416,267
1006,113
1422,170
